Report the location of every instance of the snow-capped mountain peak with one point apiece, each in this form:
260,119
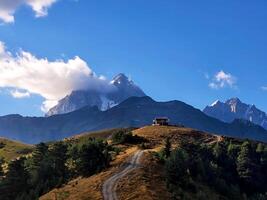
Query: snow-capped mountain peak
215,103
233,109
123,89
121,79
233,101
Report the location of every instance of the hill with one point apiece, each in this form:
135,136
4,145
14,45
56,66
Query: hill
133,112
10,149
152,162
144,183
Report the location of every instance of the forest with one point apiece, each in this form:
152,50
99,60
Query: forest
229,169
50,166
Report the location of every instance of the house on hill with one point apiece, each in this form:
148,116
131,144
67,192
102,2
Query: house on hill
161,121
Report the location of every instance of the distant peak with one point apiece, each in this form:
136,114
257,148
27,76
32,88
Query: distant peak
121,75
120,78
234,100
215,103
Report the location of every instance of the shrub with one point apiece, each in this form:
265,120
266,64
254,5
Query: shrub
122,137
2,145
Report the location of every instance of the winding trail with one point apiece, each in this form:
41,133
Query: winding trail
110,185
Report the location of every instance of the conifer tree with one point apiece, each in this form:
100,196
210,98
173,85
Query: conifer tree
167,147
247,167
16,181
1,167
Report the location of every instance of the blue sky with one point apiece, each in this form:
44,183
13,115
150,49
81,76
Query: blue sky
193,51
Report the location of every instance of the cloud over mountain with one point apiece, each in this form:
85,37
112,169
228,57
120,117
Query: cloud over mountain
222,79
9,7
52,80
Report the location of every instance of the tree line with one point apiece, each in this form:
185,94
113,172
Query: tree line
50,166
232,169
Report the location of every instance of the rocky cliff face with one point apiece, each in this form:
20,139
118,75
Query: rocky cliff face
123,89
235,109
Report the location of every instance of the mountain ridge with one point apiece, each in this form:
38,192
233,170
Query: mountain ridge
233,109
133,112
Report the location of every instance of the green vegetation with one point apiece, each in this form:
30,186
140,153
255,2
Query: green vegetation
11,149
125,136
89,157
230,169
2,145
165,152
52,165
1,167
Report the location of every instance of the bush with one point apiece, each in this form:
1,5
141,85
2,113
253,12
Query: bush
2,145
122,137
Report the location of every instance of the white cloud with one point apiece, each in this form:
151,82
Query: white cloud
52,80
19,94
222,80
9,7
264,88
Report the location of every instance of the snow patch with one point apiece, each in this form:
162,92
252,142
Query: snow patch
106,103
215,103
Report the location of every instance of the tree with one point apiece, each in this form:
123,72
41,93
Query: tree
16,181
1,167
248,168
167,147
92,157
39,154
262,153
57,155
177,168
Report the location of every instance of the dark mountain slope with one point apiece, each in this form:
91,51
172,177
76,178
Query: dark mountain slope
133,112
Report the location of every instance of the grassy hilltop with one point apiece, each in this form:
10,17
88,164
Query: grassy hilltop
10,149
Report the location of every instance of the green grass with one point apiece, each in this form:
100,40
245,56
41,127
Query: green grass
10,149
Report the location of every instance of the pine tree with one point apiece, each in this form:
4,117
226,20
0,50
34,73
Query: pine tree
176,168
16,181
93,156
248,168
167,147
58,157
1,167
39,154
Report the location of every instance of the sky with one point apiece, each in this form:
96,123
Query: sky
193,51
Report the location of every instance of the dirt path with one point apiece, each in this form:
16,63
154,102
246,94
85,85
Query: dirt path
109,186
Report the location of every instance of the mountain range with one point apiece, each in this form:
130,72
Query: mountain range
122,89
233,109
133,112
126,105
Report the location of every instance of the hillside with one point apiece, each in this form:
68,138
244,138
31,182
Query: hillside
133,112
10,149
144,183
152,162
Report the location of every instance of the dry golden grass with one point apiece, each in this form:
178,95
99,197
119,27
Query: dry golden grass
13,149
156,135
145,183
88,188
